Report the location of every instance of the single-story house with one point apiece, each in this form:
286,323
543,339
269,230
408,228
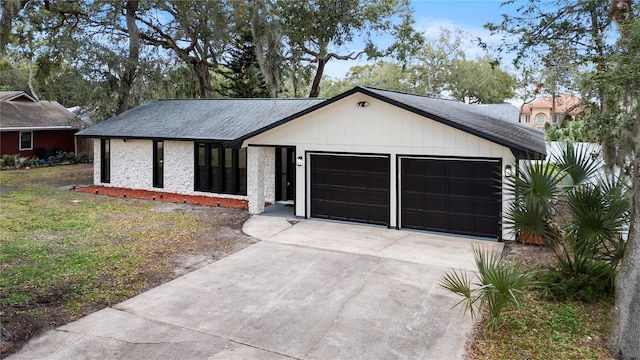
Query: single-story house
35,128
368,155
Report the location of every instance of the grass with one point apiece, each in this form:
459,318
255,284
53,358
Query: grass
542,328
64,254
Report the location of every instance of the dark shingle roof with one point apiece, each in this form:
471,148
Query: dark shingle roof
504,111
35,115
231,121
199,119
524,141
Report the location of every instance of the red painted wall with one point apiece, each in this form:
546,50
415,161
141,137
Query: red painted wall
9,141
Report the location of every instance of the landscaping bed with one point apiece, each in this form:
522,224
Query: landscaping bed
543,328
66,254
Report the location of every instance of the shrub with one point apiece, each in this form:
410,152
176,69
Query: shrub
82,158
587,241
9,160
31,162
499,284
560,287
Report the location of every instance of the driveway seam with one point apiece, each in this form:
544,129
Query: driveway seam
364,283
179,342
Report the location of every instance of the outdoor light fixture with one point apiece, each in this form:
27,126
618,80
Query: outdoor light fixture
299,161
362,104
508,171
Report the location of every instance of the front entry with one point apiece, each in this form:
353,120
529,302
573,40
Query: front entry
285,173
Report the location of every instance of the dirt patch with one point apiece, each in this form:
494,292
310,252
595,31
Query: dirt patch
220,235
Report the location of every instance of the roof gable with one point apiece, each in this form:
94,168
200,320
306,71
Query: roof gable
15,96
524,141
36,115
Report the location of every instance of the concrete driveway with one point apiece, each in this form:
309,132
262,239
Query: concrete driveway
313,290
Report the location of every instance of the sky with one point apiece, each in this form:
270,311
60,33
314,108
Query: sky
432,15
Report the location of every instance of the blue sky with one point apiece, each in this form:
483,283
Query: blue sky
432,15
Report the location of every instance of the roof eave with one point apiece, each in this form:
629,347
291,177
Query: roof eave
516,149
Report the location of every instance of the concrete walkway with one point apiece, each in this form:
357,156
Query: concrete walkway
313,290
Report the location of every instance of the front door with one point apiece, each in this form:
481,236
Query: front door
285,173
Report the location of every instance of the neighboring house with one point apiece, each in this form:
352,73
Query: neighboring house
35,128
368,155
541,111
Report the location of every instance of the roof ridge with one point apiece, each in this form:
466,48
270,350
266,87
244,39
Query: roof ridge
434,96
262,99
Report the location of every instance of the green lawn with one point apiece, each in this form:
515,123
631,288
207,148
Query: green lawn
64,254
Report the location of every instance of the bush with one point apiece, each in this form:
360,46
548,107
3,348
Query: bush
499,284
62,157
9,160
83,158
586,239
582,287
31,162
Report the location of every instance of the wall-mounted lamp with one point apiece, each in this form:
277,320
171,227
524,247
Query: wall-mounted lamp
508,171
299,161
362,104
125,140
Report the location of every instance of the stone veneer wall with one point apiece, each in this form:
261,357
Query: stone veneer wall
132,167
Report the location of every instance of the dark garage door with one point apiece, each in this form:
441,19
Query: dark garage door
455,196
351,188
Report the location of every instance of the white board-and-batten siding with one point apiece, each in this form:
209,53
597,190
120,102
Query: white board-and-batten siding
379,128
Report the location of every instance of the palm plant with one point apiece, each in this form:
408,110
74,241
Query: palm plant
588,241
498,284
533,186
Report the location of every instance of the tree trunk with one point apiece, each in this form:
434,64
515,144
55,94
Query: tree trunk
315,87
625,336
204,78
131,63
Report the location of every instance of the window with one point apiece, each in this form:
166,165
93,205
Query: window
158,164
555,118
220,170
26,140
541,119
527,118
105,163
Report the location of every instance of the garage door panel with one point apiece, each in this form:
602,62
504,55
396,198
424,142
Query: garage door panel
378,197
414,201
435,185
460,196
436,221
435,203
485,189
460,187
354,188
486,206
460,222
413,182
358,179
464,171
486,172
464,205
378,181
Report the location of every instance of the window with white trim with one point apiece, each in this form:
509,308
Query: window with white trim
541,119
26,140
